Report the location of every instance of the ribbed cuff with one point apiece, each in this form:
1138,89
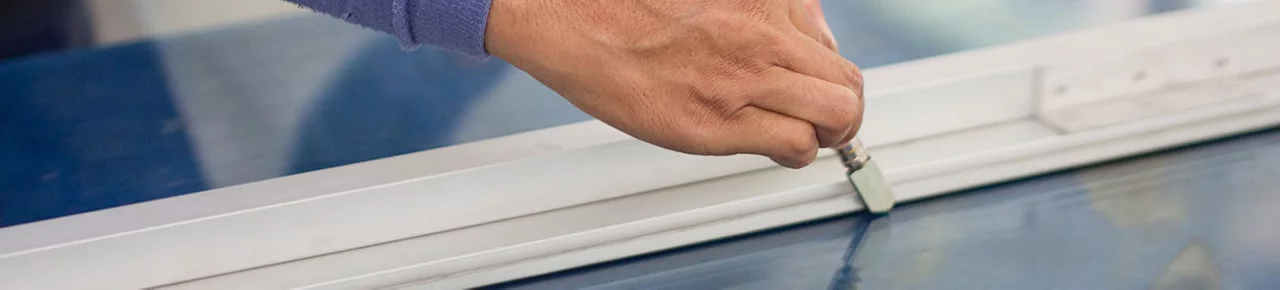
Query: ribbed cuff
454,25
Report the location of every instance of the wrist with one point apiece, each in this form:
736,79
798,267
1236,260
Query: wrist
501,27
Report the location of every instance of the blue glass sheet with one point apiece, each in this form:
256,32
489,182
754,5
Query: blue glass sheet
96,128
1202,217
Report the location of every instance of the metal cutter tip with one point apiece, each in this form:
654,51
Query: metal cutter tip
866,177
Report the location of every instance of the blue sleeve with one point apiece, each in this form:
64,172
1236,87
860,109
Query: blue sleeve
455,25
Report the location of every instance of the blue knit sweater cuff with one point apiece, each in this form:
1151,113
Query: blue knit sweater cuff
455,25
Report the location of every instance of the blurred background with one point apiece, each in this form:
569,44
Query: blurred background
110,102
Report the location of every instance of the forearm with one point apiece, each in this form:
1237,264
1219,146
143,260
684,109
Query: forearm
455,25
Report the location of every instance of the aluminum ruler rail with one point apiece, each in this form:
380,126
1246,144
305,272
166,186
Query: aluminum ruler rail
542,201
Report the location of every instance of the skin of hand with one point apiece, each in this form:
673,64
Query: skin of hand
702,77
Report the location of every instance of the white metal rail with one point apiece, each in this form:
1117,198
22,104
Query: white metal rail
503,209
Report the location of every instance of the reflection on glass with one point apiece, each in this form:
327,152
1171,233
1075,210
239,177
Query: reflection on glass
88,129
1195,218
385,102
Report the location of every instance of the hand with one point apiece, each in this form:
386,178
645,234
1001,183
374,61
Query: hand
700,77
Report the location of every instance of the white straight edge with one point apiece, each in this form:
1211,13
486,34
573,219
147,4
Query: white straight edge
751,201
726,206
425,196
230,200
829,204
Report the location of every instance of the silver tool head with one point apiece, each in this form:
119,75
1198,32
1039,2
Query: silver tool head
866,177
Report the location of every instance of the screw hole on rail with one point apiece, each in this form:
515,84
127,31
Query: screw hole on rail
1221,62
1060,90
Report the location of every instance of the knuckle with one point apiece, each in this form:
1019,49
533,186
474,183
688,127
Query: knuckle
853,76
775,45
759,39
719,106
734,74
747,38
773,38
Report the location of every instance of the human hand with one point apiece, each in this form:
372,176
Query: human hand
700,77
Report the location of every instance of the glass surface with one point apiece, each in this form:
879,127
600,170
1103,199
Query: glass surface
1202,217
92,128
